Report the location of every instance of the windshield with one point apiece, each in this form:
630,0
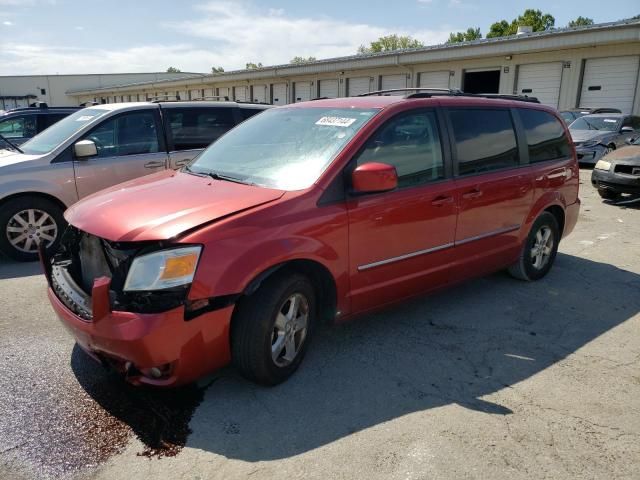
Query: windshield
596,123
283,148
60,131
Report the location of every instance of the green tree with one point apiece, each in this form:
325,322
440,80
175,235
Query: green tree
390,43
581,22
217,70
470,34
173,70
533,18
253,66
299,60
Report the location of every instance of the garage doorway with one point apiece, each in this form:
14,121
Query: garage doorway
481,81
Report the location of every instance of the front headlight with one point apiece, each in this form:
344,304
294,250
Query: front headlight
603,165
163,269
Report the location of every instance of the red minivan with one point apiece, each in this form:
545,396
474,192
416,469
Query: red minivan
317,211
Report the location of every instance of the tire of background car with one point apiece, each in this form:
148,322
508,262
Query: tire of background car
272,328
608,194
24,221
539,249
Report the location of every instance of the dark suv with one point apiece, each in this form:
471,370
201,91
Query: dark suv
20,124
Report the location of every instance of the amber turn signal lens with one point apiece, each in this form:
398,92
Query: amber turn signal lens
181,266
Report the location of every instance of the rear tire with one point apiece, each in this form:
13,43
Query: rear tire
608,194
25,221
273,327
539,249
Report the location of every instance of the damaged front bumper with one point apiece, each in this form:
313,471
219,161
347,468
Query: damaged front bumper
160,343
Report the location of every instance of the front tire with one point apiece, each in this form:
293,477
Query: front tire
539,249
27,221
272,328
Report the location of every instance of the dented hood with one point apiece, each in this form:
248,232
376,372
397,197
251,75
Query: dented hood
163,205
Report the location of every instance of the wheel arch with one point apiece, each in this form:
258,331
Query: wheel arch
558,212
46,196
319,275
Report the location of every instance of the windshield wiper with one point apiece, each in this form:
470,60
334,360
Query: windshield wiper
13,147
226,178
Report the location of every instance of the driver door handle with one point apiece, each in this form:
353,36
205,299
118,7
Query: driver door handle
182,162
154,164
475,193
441,200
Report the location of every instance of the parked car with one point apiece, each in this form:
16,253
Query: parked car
314,211
618,172
20,124
95,148
570,115
596,135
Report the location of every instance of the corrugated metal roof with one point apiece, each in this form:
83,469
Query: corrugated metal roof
373,59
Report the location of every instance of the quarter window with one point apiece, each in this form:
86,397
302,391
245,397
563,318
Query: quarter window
128,134
485,140
546,138
198,127
411,143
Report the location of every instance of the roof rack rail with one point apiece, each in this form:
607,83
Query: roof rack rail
225,98
252,103
450,91
428,92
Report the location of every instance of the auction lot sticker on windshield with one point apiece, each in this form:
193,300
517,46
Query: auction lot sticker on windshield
336,121
84,118
608,120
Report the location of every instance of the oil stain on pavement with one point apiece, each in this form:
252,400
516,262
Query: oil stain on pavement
61,419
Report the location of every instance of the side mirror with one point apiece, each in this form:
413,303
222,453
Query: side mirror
630,140
85,149
627,130
374,177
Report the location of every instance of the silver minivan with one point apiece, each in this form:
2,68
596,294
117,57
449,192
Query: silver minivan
95,148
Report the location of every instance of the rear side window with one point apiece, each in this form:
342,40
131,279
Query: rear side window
485,140
546,139
192,128
411,143
53,118
249,112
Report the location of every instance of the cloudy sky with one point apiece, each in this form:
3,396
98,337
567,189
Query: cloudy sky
92,36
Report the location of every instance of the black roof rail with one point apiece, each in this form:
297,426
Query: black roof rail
249,102
450,91
428,92
198,99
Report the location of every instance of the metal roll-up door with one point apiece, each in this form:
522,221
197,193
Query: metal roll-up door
329,88
358,85
541,80
434,79
260,93
279,94
302,91
389,82
225,92
241,94
610,82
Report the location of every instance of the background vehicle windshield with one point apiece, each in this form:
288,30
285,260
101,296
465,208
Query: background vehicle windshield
60,131
596,123
283,148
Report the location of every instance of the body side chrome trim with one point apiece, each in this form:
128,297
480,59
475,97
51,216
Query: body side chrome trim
404,257
488,234
380,263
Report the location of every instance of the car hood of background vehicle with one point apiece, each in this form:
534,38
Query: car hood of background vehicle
9,157
629,155
584,135
163,205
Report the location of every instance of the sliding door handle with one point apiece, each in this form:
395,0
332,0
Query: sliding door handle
441,200
475,193
154,164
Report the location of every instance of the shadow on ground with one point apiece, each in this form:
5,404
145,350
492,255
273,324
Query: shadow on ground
12,269
451,348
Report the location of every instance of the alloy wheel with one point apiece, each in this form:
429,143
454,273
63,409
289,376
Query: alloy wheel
289,329
542,247
27,228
